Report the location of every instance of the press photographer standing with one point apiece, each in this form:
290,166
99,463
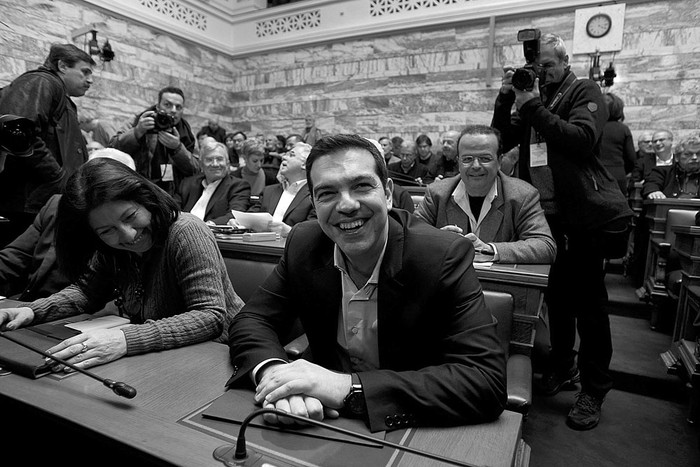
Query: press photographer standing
558,121
44,96
161,141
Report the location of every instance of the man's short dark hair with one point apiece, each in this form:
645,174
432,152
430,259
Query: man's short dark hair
396,141
68,54
423,139
483,130
333,144
171,90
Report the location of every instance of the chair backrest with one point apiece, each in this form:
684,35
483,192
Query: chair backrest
676,217
247,275
500,305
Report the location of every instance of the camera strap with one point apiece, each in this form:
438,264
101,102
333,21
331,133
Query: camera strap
568,82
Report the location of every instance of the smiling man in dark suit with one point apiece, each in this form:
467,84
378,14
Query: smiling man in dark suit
213,193
399,332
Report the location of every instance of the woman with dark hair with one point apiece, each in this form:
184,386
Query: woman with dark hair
617,147
120,237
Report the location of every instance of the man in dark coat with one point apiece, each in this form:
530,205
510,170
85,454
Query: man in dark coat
558,125
44,97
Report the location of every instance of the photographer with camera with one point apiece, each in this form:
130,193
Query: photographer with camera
161,141
43,95
558,121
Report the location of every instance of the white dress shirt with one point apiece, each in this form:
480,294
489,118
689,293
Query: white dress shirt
200,207
290,191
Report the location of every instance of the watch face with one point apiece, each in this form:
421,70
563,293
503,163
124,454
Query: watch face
598,25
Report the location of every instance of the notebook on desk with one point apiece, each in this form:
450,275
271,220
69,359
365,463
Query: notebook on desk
22,361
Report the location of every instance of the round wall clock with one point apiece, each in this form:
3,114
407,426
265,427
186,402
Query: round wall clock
598,25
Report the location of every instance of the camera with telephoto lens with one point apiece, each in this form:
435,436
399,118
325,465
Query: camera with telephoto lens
164,121
524,78
17,135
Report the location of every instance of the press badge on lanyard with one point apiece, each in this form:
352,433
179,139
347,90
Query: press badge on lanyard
538,151
167,171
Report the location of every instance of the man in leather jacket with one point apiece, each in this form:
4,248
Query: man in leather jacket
44,96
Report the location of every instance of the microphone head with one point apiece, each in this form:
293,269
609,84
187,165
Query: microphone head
124,390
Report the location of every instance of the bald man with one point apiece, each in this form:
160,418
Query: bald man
446,165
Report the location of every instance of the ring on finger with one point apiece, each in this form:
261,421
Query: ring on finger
85,347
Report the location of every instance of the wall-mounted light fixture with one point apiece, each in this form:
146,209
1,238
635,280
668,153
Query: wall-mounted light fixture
605,78
91,46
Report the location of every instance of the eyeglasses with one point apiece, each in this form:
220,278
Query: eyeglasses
688,155
469,160
645,142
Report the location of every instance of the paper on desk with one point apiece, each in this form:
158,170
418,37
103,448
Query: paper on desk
256,221
236,404
103,322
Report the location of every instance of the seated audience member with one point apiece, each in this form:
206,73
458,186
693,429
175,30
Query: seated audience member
120,237
213,129
501,215
679,180
388,150
616,144
161,141
660,156
234,144
446,165
311,132
292,140
254,153
408,171
93,146
273,157
401,198
28,266
644,144
100,130
289,201
213,193
392,308
425,153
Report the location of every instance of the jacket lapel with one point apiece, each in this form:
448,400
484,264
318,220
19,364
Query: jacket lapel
494,218
298,198
389,290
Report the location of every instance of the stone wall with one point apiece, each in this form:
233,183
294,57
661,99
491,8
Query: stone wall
404,84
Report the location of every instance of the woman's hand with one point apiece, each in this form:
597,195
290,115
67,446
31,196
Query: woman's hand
89,349
13,318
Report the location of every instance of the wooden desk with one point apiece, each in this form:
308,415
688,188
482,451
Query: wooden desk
525,282
101,428
657,210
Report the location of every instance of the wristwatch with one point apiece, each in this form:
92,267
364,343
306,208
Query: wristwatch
354,402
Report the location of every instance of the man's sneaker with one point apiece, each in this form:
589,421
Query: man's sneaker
552,383
585,414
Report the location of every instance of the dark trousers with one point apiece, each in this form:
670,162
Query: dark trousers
575,298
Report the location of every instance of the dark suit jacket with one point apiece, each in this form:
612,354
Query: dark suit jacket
515,223
669,180
400,177
300,210
28,265
441,362
643,167
232,193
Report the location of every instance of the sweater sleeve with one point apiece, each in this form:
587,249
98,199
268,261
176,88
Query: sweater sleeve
196,272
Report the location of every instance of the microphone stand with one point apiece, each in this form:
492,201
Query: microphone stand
222,453
120,389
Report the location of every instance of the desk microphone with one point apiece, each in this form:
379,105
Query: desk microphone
240,455
120,389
